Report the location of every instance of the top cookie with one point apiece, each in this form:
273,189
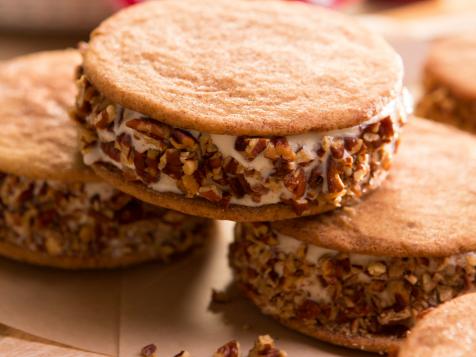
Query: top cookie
449,330
453,62
38,139
243,67
427,206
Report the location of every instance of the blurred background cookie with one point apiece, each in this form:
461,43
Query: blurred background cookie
449,82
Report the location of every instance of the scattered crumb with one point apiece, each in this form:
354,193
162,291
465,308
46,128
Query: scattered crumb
265,347
230,349
149,351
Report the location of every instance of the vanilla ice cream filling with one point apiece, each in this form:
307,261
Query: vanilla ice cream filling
312,285
397,110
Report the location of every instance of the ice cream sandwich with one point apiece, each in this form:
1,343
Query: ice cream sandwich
240,110
360,276
449,82
54,210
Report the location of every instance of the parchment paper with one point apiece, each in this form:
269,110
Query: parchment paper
173,310
117,313
77,309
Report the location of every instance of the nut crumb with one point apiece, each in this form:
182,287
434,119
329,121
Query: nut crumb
265,347
149,351
230,349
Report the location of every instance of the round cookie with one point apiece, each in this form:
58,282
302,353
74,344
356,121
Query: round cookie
449,330
242,110
361,276
448,81
54,210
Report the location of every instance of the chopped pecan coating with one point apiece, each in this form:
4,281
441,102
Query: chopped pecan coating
333,171
90,220
372,297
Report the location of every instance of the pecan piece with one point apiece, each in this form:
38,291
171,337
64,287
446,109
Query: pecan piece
337,149
230,349
392,317
334,182
170,163
150,128
377,269
303,157
386,130
315,179
190,185
239,186
280,148
371,137
149,351
190,166
215,161
265,347
105,117
111,151
146,167
255,147
181,139
352,145
295,182
240,143
231,166
211,193
206,144
125,143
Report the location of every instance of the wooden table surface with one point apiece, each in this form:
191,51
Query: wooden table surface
15,343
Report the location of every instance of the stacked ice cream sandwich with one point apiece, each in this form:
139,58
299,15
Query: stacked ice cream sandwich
286,118
54,210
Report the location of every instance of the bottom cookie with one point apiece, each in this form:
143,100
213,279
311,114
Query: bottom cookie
371,343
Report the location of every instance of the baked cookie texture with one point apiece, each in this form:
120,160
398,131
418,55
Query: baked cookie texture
449,87
243,67
38,139
449,330
361,276
54,211
288,125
